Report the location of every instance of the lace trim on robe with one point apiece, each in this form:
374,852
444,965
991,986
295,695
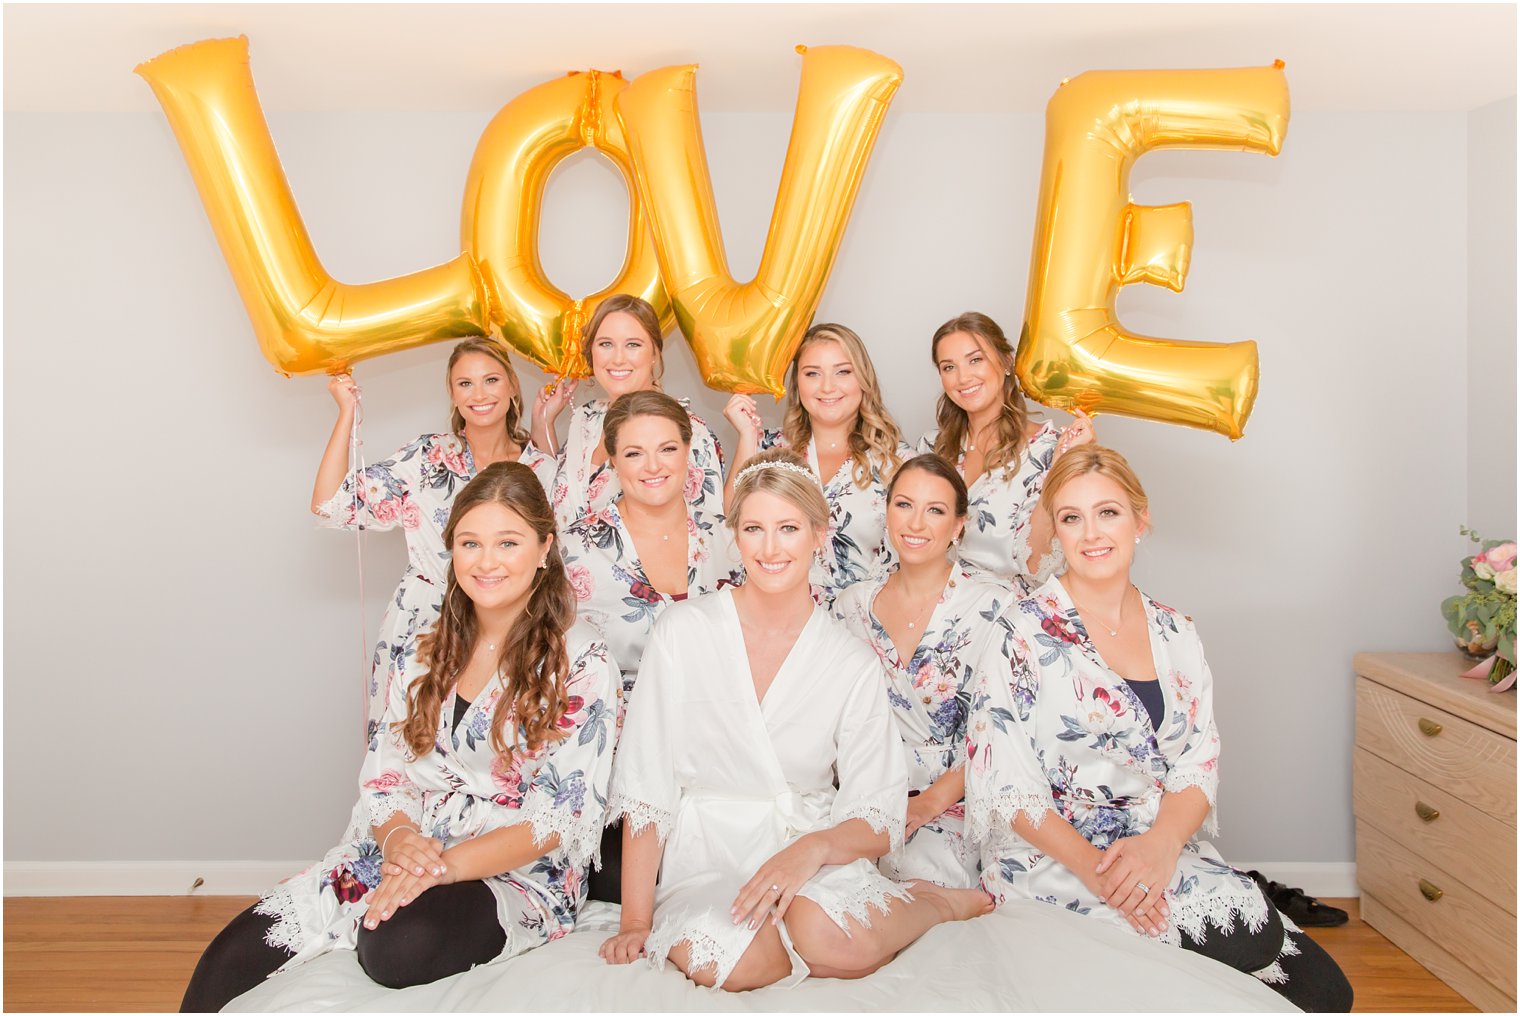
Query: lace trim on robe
580,833
990,817
869,894
638,815
879,821
1206,780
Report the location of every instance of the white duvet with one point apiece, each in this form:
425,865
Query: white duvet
1027,956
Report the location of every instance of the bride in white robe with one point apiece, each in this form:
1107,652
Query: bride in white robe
752,703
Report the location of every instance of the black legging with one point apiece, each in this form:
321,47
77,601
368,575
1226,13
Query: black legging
1311,979
446,930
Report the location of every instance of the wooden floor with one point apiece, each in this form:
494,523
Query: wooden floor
134,954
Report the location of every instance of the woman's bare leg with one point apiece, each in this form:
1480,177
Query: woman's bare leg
764,962
855,951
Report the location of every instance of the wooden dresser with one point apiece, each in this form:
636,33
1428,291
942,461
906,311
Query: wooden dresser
1435,818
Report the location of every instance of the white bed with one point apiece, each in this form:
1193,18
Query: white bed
1025,957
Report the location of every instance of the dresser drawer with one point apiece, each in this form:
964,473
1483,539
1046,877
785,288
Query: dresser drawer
1472,928
1465,760
1456,837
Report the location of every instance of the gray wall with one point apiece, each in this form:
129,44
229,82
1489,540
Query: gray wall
183,656
1491,319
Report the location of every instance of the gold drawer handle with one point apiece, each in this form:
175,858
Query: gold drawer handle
1429,891
1430,728
1426,812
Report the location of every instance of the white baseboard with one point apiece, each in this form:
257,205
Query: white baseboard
144,878
250,878
1331,879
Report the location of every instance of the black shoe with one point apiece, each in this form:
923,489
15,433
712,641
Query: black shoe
1298,906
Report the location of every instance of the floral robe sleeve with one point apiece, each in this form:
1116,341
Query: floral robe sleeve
463,789
581,488
1002,506
1053,729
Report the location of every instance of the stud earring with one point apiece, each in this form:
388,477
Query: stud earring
1137,540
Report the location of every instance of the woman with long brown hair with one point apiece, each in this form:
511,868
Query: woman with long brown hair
984,430
481,802
625,348
837,422
414,488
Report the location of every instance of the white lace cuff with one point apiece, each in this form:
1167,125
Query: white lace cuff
383,806
1208,781
878,820
639,815
580,833
991,817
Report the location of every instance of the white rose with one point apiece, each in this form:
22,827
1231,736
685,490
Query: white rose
1505,582
1483,570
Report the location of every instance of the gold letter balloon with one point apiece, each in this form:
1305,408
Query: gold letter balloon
504,197
1090,240
744,334
304,320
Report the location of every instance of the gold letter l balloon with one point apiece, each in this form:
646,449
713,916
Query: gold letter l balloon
304,320
744,334
1090,240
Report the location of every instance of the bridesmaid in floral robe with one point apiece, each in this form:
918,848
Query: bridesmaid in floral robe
624,347
649,547
482,799
943,618
1094,756
985,432
415,487
837,422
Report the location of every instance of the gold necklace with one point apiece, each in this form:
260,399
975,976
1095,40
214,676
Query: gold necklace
915,615
1112,632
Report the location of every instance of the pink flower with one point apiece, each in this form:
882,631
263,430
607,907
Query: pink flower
1501,558
411,515
385,511
598,485
388,780
694,477
580,581
452,454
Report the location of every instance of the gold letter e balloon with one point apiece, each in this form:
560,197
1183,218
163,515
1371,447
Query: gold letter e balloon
1091,240
743,334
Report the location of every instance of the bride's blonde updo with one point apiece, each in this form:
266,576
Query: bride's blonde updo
781,473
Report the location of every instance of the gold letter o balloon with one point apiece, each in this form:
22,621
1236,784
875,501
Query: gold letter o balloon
503,199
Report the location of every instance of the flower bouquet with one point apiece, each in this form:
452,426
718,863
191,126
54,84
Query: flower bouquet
1483,619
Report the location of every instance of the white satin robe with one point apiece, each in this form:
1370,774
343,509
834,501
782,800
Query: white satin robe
728,781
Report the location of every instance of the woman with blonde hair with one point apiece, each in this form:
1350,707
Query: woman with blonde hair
481,801
759,774
836,421
415,487
984,430
624,347
1094,755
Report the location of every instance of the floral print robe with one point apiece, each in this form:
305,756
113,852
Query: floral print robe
462,789
1053,728
614,594
582,488
858,544
728,780
1002,505
413,489
930,696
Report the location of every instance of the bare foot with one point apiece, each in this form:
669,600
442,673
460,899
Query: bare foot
959,904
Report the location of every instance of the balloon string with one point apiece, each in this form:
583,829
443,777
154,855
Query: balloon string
356,463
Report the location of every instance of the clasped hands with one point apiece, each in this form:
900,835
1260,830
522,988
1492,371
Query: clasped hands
415,864
1132,876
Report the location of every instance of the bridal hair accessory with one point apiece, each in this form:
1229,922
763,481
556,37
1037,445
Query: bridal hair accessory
789,467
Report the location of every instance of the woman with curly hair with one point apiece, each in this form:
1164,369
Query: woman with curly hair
836,421
481,802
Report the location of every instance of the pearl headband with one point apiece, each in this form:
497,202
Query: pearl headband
789,467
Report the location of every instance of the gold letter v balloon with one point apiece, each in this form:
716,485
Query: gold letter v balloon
1090,240
304,320
744,334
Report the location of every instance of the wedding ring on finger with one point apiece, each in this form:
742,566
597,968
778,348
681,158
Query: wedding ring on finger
1143,888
